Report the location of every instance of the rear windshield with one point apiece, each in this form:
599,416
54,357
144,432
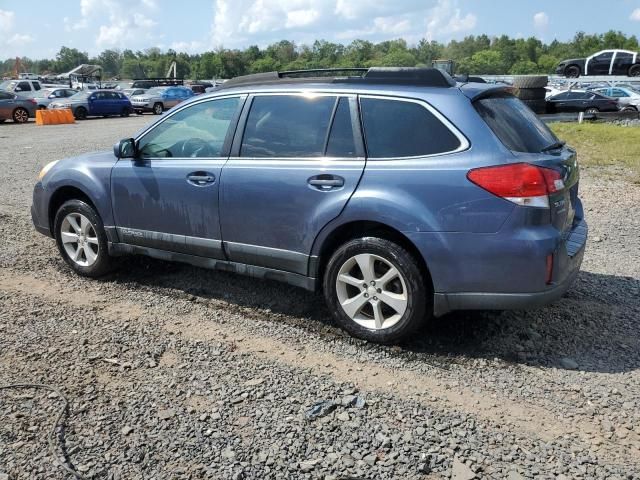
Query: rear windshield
515,124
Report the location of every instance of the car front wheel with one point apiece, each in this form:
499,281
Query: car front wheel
20,115
81,239
158,109
376,291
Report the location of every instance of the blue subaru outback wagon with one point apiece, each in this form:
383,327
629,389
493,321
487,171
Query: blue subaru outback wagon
399,193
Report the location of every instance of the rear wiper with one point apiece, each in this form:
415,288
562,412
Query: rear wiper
554,145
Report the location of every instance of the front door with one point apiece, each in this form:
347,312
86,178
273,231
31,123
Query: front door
292,170
167,198
600,64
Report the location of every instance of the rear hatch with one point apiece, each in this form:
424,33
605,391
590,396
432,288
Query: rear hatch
532,142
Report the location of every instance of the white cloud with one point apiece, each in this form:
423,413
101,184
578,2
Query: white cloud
541,20
635,15
237,23
301,18
6,20
18,39
118,23
446,19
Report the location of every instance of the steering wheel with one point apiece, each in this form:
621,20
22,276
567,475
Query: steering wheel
195,147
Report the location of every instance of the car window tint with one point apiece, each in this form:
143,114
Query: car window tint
24,86
196,131
396,128
6,96
287,126
561,96
341,140
517,127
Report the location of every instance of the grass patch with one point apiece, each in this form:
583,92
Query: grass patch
603,144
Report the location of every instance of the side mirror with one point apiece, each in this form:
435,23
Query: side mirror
125,148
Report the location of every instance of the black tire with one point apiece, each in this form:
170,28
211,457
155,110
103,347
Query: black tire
592,111
20,115
531,81
629,108
139,112
419,306
158,108
80,113
2,120
103,263
538,106
634,71
126,111
531,93
572,71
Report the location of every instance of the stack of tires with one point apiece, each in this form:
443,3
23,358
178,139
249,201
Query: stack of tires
530,89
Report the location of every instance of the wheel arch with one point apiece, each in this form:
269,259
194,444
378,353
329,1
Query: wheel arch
62,195
331,240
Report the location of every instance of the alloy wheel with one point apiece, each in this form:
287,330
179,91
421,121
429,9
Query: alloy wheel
372,291
21,115
79,239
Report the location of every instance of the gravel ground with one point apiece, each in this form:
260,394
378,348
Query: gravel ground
177,372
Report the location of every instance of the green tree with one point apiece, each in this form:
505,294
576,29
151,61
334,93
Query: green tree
69,58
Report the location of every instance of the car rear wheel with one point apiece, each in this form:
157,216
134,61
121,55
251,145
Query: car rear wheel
592,111
376,291
634,71
629,108
20,115
81,113
158,108
572,71
81,239
126,111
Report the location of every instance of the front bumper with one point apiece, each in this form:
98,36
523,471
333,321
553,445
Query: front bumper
39,214
145,107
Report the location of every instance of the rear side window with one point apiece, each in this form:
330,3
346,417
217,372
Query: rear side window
519,129
287,126
395,128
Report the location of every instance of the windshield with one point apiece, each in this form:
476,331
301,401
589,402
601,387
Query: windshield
156,90
519,129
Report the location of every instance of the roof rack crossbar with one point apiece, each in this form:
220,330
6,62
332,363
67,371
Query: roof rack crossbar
425,77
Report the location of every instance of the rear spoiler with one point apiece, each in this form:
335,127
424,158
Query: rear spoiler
476,91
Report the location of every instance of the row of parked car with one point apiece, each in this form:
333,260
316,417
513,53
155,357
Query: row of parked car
594,100
19,106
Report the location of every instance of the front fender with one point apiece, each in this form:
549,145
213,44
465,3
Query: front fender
90,174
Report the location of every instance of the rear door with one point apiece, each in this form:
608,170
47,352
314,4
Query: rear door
622,62
293,167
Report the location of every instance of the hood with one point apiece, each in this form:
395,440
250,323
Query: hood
572,60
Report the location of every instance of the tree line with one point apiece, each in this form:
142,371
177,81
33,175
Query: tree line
479,54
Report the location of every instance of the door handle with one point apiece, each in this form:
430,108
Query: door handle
326,182
200,178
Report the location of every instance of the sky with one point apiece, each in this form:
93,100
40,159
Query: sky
193,26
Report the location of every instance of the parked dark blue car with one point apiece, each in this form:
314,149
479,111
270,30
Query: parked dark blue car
96,103
399,193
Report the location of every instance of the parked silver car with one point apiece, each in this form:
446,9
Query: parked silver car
44,97
159,99
15,107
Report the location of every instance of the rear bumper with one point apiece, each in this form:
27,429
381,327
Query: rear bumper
447,302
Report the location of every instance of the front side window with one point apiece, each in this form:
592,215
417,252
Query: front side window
396,128
287,126
197,131
604,57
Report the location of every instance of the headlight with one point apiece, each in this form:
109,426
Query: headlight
46,168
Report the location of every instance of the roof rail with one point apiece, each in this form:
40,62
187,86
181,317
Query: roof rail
425,77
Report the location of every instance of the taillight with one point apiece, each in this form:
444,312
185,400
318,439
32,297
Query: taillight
33,100
520,183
